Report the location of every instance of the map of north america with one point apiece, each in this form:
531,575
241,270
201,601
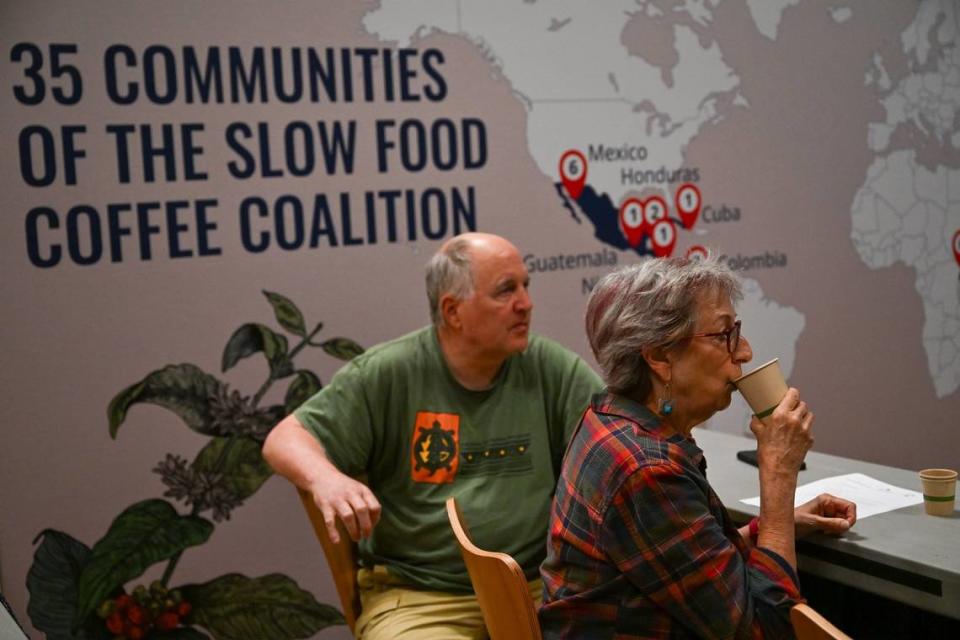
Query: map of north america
629,85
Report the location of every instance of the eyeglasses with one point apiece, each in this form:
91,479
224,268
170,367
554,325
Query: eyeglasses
732,336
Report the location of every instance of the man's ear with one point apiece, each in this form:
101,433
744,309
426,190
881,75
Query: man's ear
450,311
659,361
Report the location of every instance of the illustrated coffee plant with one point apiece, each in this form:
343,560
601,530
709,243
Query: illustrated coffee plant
79,592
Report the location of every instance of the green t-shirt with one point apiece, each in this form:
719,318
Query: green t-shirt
398,415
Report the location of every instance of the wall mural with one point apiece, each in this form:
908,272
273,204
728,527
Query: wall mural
165,160
81,592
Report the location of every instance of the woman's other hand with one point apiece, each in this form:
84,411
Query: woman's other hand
825,513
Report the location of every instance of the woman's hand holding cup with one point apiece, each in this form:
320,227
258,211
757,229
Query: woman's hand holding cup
783,437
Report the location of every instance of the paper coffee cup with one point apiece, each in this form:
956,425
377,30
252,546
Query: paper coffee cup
763,388
939,491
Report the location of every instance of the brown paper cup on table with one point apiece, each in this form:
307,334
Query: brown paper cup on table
939,491
763,388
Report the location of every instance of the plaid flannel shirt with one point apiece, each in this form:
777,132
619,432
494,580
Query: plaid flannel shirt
640,545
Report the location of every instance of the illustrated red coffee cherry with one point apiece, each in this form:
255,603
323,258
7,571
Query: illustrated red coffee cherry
115,623
167,621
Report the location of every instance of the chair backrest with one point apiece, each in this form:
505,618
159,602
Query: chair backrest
508,609
810,625
341,558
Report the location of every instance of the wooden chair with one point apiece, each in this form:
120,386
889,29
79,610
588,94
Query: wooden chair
810,625
508,610
341,558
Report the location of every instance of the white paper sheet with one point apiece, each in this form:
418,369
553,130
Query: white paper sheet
870,495
8,628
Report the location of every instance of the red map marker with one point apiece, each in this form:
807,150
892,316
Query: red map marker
664,236
697,252
688,203
573,172
631,221
956,246
654,210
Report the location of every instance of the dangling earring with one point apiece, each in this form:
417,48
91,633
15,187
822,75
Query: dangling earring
665,404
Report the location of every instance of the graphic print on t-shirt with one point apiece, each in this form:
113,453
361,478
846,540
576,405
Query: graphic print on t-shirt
435,448
497,457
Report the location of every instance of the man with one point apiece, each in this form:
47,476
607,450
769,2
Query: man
473,406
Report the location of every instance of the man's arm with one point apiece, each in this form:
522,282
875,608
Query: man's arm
299,457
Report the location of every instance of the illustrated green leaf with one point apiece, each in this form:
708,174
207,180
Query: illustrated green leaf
52,582
342,348
301,389
142,535
283,369
239,460
274,414
235,607
184,389
253,338
288,315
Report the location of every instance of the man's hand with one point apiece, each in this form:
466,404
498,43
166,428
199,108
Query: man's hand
300,458
826,513
784,438
339,496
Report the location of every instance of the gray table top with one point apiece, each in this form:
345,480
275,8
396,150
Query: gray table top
882,553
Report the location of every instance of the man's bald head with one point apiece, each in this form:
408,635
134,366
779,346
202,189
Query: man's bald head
450,271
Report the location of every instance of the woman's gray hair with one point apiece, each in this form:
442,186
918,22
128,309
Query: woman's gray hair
449,271
646,305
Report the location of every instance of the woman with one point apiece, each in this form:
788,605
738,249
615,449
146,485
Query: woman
640,545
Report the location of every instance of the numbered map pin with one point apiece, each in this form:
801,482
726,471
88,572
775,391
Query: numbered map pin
654,210
956,246
688,204
573,172
664,236
631,220
697,253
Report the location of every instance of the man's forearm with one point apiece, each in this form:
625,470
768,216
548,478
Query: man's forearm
296,455
300,458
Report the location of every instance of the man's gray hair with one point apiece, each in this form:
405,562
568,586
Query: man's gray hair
449,271
647,305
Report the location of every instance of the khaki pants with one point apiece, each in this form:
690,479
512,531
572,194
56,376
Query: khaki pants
391,611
